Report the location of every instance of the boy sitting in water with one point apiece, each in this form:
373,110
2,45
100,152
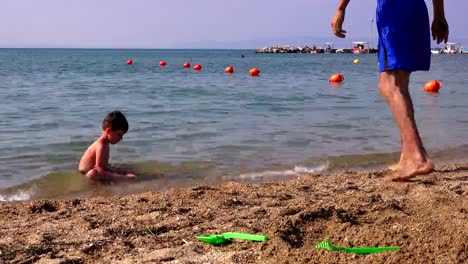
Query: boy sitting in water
95,161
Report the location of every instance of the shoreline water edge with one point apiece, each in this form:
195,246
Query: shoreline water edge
156,176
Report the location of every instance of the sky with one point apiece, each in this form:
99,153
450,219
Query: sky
193,23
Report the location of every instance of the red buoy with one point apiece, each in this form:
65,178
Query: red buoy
432,86
229,69
197,67
336,78
254,72
162,63
129,62
187,65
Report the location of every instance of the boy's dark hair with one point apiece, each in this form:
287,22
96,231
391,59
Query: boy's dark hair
115,121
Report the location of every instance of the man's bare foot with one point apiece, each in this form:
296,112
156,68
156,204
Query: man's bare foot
410,171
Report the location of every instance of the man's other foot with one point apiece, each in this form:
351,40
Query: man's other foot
409,171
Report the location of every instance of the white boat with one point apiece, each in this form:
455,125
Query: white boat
328,47
360,47
436,50
450,48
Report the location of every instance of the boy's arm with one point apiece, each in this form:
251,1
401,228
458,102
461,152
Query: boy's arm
102,156
440,29
338,19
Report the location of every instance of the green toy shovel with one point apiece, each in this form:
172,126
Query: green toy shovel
226,237
365,250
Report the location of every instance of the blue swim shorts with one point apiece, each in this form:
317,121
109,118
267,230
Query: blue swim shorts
404,35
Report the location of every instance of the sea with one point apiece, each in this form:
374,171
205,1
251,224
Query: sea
206,127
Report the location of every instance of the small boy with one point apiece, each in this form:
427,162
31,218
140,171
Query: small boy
95,161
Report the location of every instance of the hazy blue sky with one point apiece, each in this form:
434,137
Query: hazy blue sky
191,23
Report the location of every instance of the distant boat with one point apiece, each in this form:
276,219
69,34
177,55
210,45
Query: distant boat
450,48
328,48
316,50
436,50
360,47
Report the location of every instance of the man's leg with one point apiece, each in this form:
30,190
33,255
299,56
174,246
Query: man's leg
393,86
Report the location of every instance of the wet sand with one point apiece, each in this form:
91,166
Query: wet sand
427,218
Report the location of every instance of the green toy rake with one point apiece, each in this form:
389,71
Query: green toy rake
364,250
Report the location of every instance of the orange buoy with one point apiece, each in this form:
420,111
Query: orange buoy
129,62
254,72
432,86
187,65
162,63
197,67
336,78
229,69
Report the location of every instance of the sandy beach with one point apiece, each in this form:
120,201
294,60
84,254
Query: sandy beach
427,218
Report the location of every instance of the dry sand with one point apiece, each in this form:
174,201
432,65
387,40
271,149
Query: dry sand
427,218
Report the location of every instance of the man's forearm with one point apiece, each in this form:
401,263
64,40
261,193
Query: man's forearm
342,4
438,8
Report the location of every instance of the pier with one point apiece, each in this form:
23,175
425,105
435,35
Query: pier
314,49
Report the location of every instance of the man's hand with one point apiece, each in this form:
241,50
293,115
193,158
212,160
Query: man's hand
440,29
337,23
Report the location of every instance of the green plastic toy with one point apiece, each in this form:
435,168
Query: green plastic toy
365,250
226,237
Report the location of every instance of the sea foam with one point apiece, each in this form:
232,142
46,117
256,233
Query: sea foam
296,171
20,195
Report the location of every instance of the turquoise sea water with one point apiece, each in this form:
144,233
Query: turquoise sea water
189,127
